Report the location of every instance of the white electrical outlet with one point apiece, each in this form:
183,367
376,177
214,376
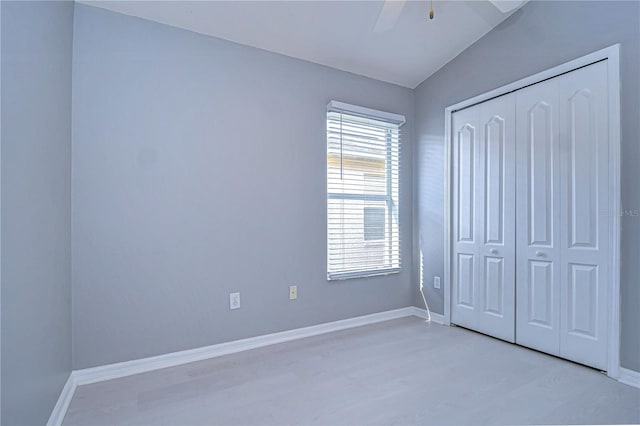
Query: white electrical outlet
234,300
293,292
436,282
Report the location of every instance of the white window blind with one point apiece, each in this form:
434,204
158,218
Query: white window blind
363,153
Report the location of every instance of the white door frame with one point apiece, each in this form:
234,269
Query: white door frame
612,56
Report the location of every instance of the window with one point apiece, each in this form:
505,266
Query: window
374,222
363,235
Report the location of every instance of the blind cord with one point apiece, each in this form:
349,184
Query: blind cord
426,305
341,166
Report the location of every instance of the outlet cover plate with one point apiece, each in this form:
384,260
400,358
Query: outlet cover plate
436,282
234,300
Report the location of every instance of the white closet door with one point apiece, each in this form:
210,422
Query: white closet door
466,200
530,249
584,228
538,217
496,315
562,233
484,225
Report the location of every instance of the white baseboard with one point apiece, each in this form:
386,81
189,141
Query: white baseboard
128,368
60,409
437,318
431,316
420,313
629,377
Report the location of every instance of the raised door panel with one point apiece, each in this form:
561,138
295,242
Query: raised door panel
539,146
582,301
466,282
540,290
584,192
582,177
494,180
538,217
494,303
466,146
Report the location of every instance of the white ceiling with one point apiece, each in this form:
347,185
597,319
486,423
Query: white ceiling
339,34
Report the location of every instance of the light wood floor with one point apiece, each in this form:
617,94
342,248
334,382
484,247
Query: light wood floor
398,372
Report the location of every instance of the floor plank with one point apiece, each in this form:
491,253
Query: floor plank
403,371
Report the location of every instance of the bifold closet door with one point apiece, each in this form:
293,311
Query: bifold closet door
562,233
538,217
483,258
585,283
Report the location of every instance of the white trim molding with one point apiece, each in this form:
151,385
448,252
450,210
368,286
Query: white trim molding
437,318
428,315
629,377
129,368
421,313
60,409
612,56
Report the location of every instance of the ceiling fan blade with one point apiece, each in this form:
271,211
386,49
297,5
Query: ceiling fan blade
506,6
389,15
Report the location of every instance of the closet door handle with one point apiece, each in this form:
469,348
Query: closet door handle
539,253
493,251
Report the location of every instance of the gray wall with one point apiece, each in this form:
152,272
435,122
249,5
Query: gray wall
36,154
199,170
538,37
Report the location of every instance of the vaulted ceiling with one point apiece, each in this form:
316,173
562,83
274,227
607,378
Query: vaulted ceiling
339,34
